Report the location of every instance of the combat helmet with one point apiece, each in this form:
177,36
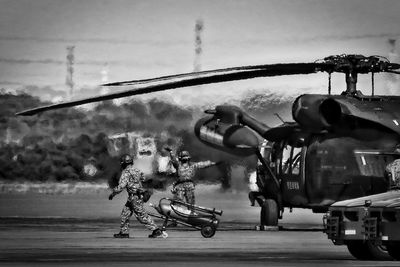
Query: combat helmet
126,160
184,155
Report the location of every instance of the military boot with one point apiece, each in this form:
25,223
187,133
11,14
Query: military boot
121,235
156,233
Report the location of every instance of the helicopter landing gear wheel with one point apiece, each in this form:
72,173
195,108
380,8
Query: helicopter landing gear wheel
367,250
269,213
394,250
208,231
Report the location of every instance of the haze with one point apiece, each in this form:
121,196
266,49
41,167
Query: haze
125,39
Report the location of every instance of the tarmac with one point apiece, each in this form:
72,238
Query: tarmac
76,229
81,242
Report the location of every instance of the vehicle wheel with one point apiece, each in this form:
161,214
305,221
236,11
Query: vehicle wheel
394,250
269,213
359,250
379,253
208,231
367,250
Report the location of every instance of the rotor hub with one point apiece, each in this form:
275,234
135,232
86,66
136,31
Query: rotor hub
352,65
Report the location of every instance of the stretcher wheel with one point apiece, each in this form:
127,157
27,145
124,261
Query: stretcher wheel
164,234
208,231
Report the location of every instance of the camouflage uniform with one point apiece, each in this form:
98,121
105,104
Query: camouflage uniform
131,179
183,188
393,170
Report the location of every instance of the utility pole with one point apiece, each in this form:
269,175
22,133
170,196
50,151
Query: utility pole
198,29
70,71
393,56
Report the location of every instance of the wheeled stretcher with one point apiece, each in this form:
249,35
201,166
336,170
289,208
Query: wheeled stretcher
179,212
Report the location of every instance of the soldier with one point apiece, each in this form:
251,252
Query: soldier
393,172
183,187
131,179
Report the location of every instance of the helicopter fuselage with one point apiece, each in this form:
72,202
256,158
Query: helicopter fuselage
337,148
325,169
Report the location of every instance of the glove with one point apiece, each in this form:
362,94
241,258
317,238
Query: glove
111,196
173,190
146,195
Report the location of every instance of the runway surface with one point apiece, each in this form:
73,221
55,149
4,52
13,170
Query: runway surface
72,242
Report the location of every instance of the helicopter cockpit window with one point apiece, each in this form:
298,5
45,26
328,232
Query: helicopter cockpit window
296,160
285,162
265,150
289,163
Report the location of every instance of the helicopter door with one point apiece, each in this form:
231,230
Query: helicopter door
291,176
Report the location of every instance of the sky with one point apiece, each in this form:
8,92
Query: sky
132,39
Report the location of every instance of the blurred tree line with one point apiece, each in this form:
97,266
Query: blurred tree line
55,145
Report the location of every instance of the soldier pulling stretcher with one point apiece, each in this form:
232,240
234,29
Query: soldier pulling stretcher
131,179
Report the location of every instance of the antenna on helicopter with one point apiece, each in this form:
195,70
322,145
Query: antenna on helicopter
279,117
372,83
330,83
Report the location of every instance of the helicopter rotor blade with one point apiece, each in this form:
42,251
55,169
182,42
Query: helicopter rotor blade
393,71
191,79
230,73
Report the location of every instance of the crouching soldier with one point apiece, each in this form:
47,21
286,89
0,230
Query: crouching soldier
131,179
183,187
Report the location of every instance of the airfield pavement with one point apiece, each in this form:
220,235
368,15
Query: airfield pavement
76,229
73,242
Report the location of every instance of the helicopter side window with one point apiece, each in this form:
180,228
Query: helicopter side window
371,164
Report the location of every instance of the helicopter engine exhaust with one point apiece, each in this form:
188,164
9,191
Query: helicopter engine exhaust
225,131
331,111
317,112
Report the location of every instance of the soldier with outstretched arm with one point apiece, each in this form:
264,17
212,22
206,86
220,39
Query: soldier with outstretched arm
131,179
183,187
392,172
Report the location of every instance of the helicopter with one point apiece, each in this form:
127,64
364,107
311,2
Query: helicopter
335,149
